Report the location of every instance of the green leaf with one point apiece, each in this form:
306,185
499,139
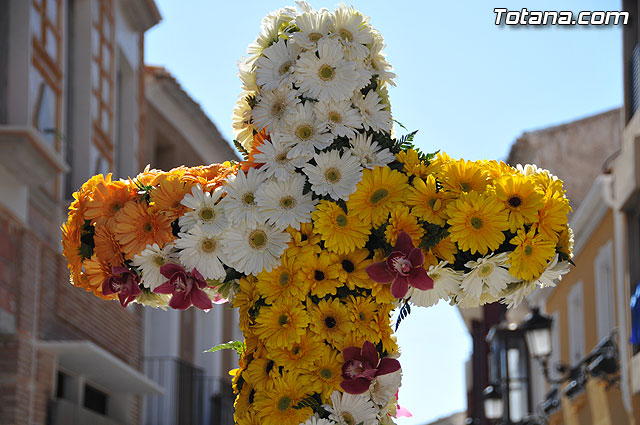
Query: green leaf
241,149
237,346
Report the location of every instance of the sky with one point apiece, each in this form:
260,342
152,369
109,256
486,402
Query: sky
470,88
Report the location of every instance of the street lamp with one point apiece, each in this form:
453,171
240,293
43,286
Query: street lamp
537,332
493,403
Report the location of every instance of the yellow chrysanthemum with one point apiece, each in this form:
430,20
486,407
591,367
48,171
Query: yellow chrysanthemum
427,202
378,192
498,169
353,269
303,241
548,183
363,314
107,247
322,273
260,372
413,165
326,371
531,255
341,232
166,197
477,222
387,338
520,197
565,242
137,226
107,199
301,354
330,320
282,324
445,250
245,398
283,281
463,176
246,418
552,217
277,404
244,299
401,220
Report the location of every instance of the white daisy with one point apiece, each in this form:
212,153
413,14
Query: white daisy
303,132
369,153
488,275
205,212
240,204
270,28
365,75
446,283
241,122
384,387
149,262
247,74
334,175
341,119
275,67
313,26
373,112
273,106
201,250
282,203
353,31
349,409
326,74
378,62
252,249
277,162
316,420
516,292
554,271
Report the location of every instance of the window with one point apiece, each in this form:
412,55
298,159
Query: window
605,301
95,400
576,323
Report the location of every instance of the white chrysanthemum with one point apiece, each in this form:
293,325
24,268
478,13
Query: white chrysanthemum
252,249
446,283
274,69
385,387
369,153
272,108
316,420
554,271
353,31
277,161
282,203
488,275
516,292
247,74
313,26
341,119
325,74
149,262
205,212
364,75
378,62
303,132
241,122
271,25
240,204
349,409
201,250
334,175
373,112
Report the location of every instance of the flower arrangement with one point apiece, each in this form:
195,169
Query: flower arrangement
328,225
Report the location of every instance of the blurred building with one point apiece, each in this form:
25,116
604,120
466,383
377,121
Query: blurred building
76,100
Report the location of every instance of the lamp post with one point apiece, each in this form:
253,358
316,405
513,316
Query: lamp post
493,403
537,332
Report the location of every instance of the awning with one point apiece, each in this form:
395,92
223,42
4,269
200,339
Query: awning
98,365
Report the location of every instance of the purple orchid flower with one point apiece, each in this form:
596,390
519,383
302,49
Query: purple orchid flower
186,288
403,267
362,365
123,282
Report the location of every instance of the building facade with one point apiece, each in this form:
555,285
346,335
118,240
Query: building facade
77,100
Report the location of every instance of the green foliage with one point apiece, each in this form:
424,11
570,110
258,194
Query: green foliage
237,346
404,311
241,149
87,243
433,234
313,401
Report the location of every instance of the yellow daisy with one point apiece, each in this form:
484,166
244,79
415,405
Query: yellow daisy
321,272
552,217
260,372
107,199
565,242
303,241
96,271
107,247
277,404
413,165
245,398
531,255
445,250
520,197
477,223
330,320
167,196
301,354
353,270
363,314
326,371
385,333
283,282
498,169
282,324
341,232
378,192
400,220
427,202
245,297
463,176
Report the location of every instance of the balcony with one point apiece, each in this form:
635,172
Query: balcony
64,412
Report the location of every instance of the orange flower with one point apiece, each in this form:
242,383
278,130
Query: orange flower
96,272
108,198
83,196
258,140
210,176
71,243
137,226
107,247
166,197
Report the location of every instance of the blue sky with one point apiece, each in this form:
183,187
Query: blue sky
469,87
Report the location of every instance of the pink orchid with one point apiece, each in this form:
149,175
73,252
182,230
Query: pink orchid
402,412
362,365
403,266
123,282
186,288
